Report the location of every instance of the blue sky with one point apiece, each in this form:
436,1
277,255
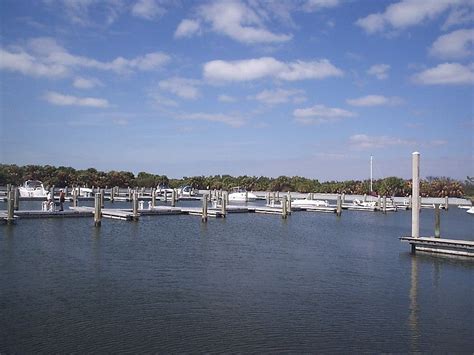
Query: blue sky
181,88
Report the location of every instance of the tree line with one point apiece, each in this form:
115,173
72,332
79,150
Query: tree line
390,186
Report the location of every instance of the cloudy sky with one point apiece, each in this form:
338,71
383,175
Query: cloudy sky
270,87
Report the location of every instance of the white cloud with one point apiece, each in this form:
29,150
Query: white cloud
148,9
89,12
279,96
374,100
231,120
315,5
380,71
44,57
56,98
446,73
226,98
252,69
321,114
363,141
185,88
459,16
86,83
454,45
406,13
187,28
240,22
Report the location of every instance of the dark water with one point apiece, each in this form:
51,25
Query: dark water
248,283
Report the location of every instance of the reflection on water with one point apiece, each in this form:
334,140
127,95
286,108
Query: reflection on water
246,283
413,318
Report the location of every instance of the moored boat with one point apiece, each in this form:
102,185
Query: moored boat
32,188
242,195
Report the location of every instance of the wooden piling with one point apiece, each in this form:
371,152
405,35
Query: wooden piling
384,204
16,196
343,197
339,205
97,210
437,231
446,203
112,194
102,194
135,206
74,197
284,210
204,208
224,204
153,197
289,203
129,194
415,212
10,207
173,198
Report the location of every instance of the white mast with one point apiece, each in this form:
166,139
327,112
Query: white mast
371,160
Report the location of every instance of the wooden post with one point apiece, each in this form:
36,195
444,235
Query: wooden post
102,194
343,197
284,211
74,197
415,212
165,194
66,190
112,194
384,204
289,202
16,204
97,210
446,203
437,221
153,197
379,203
135,206
246,196
339,205
268,198
365,197
10,207
52,193
173,198
204,208
224,204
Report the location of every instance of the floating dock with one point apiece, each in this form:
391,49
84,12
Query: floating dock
441,245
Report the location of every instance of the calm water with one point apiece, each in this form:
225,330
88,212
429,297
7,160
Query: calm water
248,283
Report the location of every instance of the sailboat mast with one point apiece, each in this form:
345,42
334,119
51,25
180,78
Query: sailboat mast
371,161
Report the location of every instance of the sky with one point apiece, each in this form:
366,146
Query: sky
259,87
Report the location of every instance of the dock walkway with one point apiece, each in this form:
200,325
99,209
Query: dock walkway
441,245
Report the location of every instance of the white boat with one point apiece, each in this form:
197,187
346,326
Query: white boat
359,203
32,188
471,210
242,195
187,191
82,191
305,203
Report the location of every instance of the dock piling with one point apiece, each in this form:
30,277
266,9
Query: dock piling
97,210
16,204
102,194
339,205
10,207
173,198
204,208
153,197
446,203
384,204
437,232
415,212
135,206
284,210
224,204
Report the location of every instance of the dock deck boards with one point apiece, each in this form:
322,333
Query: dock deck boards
442,245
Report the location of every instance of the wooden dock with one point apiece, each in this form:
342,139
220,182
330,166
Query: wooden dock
441,245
